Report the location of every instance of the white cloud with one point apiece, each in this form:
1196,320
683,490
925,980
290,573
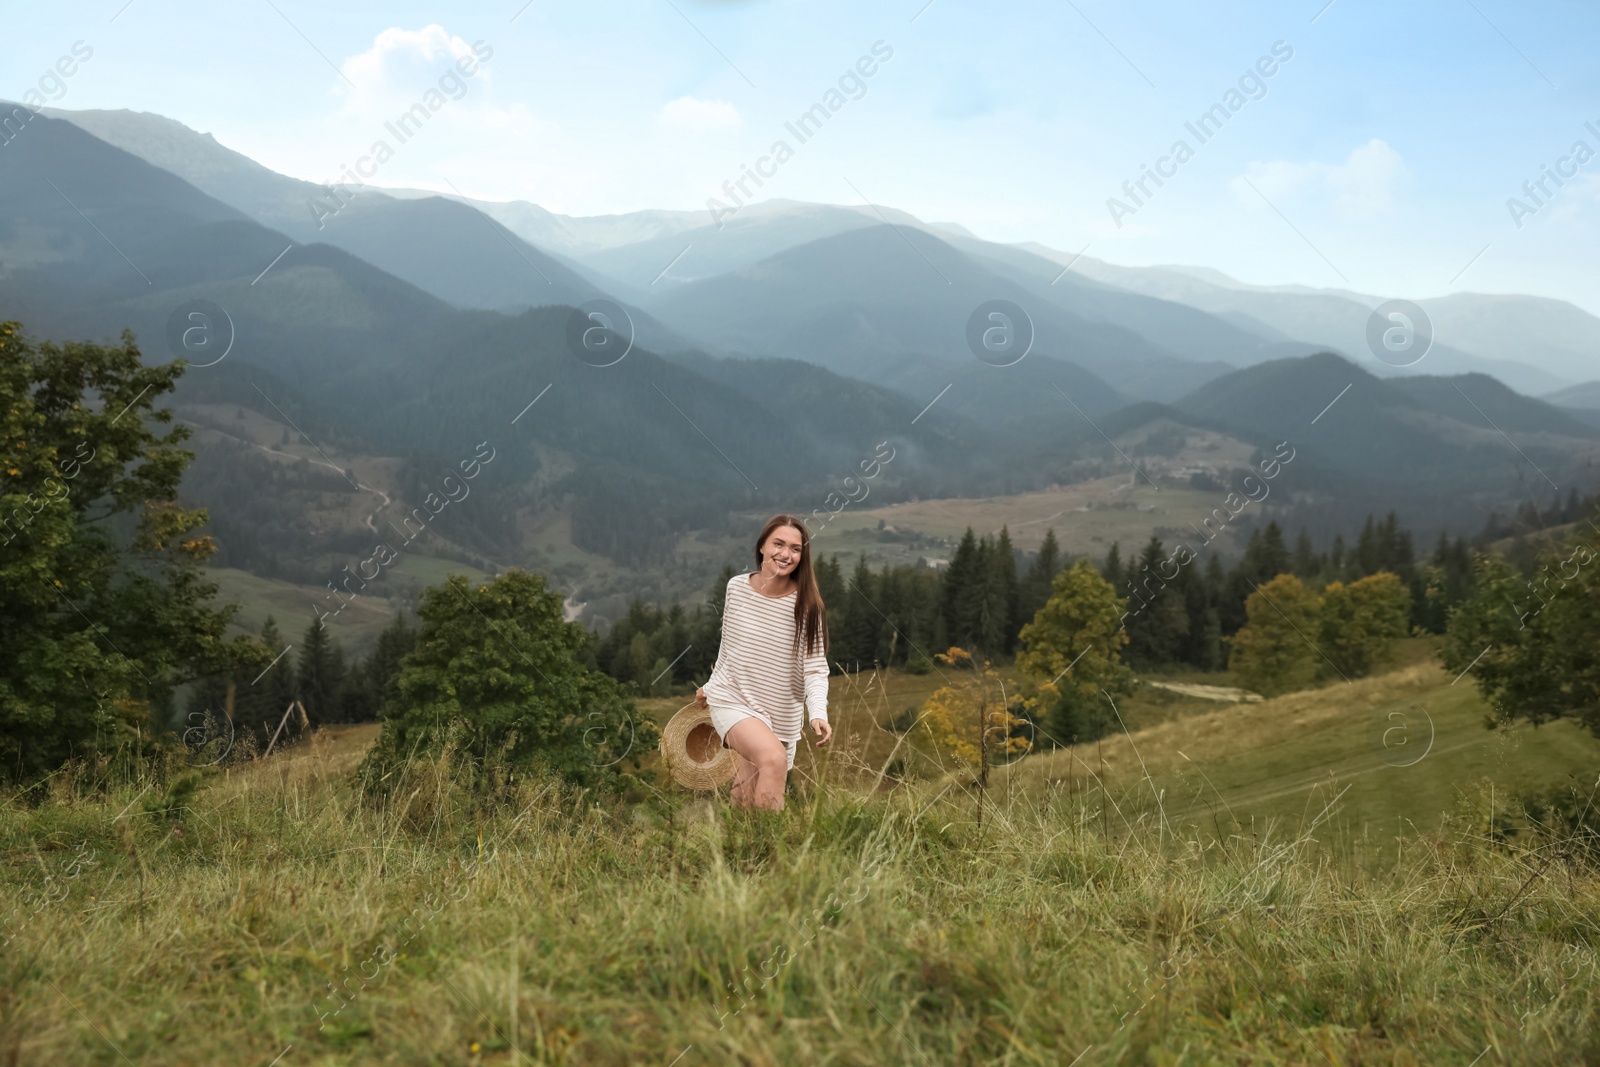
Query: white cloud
690,114
1360,187
1277,180
468,133
1571,204
400,65
1364,185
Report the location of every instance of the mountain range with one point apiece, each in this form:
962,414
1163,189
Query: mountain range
1534,344
767,357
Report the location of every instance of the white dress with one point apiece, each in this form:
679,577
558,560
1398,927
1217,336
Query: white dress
757,670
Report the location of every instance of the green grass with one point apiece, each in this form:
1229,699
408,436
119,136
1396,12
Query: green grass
1229,766
860,926
290,605
1086,516
1406,749
424,571
358,624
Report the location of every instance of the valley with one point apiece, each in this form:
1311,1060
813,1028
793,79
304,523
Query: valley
804,331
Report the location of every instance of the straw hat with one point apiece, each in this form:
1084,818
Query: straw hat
693,750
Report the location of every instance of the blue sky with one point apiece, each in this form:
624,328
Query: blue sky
1380,157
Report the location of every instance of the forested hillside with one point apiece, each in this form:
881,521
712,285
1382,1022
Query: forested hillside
346,392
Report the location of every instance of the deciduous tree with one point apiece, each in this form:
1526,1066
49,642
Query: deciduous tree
104,602
1272,653
1531,645
1073,646
1363,622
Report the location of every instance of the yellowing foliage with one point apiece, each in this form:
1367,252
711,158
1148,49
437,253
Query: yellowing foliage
970,722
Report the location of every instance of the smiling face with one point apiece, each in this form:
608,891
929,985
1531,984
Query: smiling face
780,555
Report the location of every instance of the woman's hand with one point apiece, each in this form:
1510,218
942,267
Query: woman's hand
821,728
700,698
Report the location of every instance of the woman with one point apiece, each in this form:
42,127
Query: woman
773,657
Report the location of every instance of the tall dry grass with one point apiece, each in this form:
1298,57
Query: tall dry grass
278,913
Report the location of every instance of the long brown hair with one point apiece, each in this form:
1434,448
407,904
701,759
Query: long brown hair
810,614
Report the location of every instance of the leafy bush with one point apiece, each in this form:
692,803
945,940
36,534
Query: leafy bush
1271,653
1296,636
1530,645
1362,622
1075,644
497,670
970,721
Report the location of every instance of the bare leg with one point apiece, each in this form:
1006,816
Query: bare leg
744,781
763,765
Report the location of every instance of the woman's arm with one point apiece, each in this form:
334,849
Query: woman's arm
814,666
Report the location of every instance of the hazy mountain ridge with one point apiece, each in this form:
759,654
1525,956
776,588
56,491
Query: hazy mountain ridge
402,373
1337,320
1419,431
1585,395
1536,345
868,326
438,243
852,300
1179,328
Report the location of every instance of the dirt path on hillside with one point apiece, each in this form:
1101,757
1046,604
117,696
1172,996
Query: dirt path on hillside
1208,692
372,516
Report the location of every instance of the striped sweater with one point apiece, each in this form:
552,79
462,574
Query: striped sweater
757,667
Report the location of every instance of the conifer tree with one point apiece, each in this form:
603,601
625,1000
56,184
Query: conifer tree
1264,558
319,680
1158,627
962,581
1304,564
858,624
1448,582
1035,585
268,695
1005,600
1112,570
381,670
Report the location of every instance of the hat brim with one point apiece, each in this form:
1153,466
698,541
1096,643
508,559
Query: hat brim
693,751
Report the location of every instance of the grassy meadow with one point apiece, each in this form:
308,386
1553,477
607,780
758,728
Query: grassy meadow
1240,884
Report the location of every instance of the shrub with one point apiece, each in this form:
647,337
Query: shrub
1272,653
498,668
1363,622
